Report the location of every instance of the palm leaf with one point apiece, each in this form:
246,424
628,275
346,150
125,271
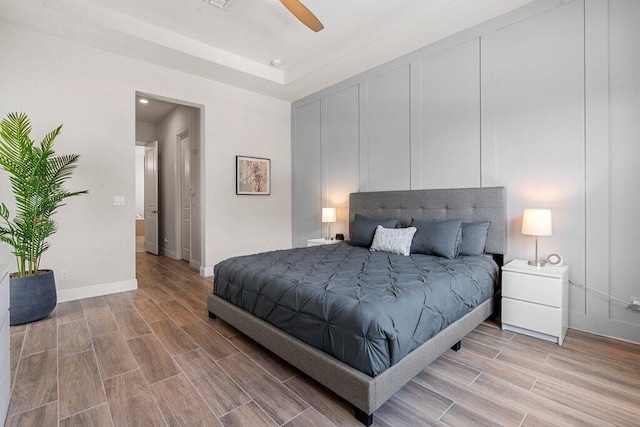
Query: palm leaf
37,176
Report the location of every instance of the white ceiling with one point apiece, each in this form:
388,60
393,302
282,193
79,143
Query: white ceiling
236,45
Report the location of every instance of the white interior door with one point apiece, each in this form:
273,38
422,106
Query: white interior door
151,198
187,195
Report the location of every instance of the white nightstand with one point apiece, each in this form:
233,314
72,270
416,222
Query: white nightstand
535,301
322,241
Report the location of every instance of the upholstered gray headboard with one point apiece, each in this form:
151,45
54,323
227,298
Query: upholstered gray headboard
467,204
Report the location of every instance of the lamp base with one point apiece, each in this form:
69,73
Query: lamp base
537,263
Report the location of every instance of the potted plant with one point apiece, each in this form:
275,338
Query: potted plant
37,176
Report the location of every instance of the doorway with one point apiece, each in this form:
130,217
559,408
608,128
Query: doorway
175,128
147,218
140,235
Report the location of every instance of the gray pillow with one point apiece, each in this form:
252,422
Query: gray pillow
364,228
393,240
440,238
474,237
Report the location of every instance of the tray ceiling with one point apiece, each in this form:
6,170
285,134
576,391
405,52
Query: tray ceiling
236,45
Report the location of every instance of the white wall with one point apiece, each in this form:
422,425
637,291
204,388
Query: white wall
95,241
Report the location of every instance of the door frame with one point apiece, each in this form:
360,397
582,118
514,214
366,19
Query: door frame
201,193
177,192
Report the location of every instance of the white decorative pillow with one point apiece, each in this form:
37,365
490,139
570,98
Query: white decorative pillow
393,240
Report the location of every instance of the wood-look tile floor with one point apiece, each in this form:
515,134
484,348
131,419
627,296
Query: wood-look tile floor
153,357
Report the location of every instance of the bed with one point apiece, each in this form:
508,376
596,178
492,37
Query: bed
349,343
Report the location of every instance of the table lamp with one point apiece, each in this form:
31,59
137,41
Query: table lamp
536,222
329,216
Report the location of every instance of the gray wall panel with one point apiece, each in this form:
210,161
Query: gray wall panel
306,176
540,129
343,156
450,118
625,146
597,183
388,130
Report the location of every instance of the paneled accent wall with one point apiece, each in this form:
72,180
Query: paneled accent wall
305,173
342,152
449,118
387,131
540,130
624,173
520,101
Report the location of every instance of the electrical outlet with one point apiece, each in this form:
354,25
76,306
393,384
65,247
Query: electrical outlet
118,200
64,275
635,304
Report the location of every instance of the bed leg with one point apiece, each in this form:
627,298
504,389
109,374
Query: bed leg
212,316
457,346
363,417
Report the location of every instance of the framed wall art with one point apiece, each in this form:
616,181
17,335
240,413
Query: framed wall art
253,176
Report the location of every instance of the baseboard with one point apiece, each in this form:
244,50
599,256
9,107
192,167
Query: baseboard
96,290
606,327
206,271
194,264
171,254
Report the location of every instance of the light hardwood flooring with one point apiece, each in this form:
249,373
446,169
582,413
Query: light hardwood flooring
153,357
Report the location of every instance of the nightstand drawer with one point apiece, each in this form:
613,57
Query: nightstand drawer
536,289
539,318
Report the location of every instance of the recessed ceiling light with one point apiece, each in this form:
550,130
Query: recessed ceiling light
275,62
144,101
222,4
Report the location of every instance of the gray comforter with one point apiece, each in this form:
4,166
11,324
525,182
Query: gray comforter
368,309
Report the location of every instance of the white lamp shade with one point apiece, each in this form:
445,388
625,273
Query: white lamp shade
536,222
328,214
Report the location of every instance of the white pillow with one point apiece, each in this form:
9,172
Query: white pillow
393,240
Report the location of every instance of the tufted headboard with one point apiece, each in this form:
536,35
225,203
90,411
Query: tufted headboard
467,204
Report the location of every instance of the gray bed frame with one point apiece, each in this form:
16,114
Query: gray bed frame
366,393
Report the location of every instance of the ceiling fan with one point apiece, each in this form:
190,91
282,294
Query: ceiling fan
303,14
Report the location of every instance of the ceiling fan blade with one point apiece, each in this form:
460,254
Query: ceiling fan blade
303,14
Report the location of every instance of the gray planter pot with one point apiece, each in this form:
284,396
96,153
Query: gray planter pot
32,298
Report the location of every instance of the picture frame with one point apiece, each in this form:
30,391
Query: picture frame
253,176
